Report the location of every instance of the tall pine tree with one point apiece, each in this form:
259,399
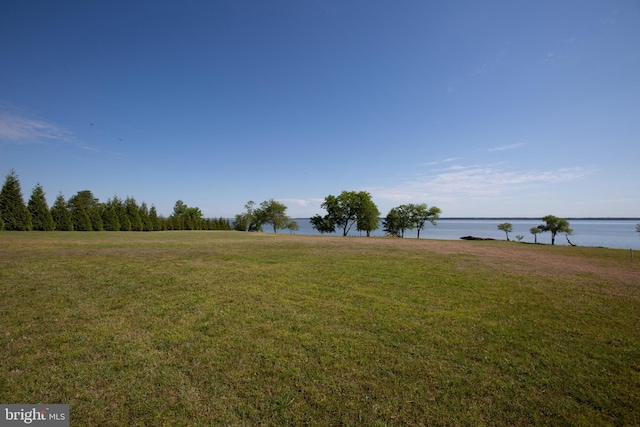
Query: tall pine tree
133,212
13,211
155,221
147,225
41,218
85,212
61,215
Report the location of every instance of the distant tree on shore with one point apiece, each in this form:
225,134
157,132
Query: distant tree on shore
555,225
507,227
397,221
345,210
535,231
368,216
421,214
408,217
248,221
41,218
274,213
292,226
14,212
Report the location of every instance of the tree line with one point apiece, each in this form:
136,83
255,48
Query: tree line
84,212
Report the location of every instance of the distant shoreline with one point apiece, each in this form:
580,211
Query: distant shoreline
532,218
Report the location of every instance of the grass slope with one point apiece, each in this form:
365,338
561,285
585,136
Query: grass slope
227,328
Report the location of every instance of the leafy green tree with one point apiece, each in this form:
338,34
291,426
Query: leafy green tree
535,231
343,212
292,226
14,212
421,214
61,215
85,212
507,227
249,220
368,217
555,225
322,224
398,220
274,213
41,218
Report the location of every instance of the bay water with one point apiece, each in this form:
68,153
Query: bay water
609,233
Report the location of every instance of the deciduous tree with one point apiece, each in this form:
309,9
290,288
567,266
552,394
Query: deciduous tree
368,217
343,212
535,231
555,225
421,214
274,213
397,221
248,220
507,227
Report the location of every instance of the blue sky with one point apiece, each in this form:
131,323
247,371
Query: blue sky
493,108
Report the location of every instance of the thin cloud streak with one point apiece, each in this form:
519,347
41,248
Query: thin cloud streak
16,128
508,147
479,182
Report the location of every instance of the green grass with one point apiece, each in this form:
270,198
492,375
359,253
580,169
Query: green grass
227,328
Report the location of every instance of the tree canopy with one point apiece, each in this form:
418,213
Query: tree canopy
408,217
555,225
507,227
345,210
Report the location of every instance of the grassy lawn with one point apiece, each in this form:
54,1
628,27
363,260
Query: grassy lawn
228,328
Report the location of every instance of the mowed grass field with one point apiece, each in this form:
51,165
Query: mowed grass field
228,328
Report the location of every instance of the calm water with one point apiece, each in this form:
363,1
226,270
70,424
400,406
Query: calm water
612,233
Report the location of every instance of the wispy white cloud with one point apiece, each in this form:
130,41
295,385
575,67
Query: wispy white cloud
475,182
507,147
22,129
437,162
608,21
551,56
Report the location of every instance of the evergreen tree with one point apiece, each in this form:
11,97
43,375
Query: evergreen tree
121,212
85,212
41,218
155,220
61,215
110,218
147,225
133,212
14,212
1,224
